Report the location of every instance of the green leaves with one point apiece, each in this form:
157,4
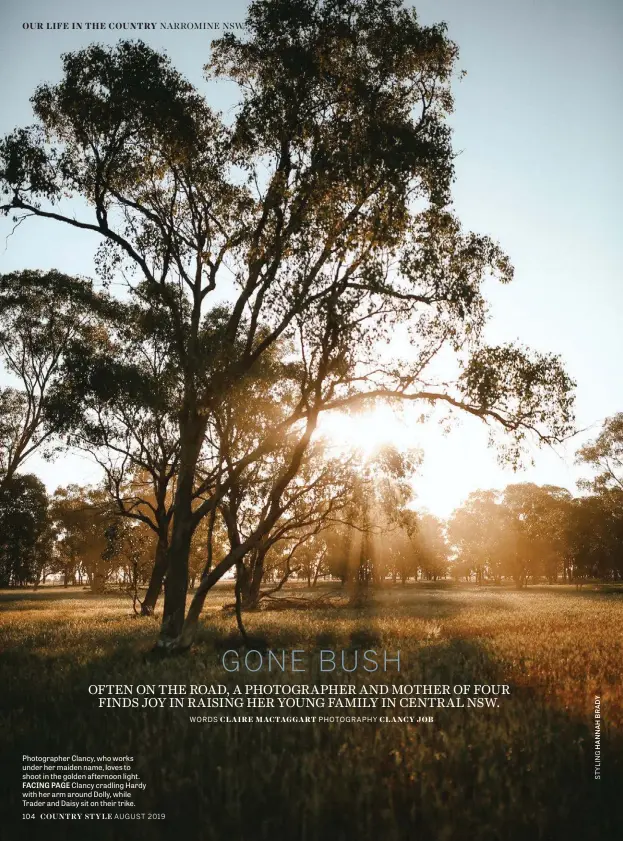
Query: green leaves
605,454
521,389
519,532
109,95
28,170
41,315
23,530
356,93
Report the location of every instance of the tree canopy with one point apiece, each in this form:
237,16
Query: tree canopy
605,454
41,315
24,530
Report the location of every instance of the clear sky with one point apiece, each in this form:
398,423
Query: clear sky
539,128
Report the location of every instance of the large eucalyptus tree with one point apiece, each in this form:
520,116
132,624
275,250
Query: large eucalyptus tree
319,215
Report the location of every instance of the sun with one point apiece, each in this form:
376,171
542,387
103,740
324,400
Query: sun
366,432
452,463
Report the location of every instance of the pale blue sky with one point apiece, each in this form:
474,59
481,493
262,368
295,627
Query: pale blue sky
539,124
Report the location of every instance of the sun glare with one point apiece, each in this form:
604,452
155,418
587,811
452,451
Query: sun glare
366,432
453,464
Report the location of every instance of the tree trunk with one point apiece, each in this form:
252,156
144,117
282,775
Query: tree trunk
157,576
317,572
98,582
186,637
256,581
243,582
176,581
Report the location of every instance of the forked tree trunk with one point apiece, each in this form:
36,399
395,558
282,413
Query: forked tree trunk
187,635
175,595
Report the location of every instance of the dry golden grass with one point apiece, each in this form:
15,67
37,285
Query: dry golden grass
521,771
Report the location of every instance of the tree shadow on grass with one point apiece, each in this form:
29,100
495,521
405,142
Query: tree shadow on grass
520,770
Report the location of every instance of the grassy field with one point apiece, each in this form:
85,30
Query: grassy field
523,770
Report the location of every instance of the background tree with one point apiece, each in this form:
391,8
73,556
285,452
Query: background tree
595,538
477,530
25,535
41,314
117,400
431,547
417,547
538,527
311,559
596,529
88,534
605,455
400,557
338,539
131,545
519,533
382,491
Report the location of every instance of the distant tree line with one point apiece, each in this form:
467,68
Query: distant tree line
371,535
529,534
